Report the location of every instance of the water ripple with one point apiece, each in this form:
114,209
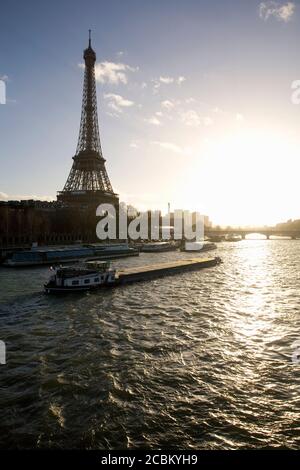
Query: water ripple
197,360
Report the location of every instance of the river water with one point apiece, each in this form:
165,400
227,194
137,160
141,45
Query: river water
196,360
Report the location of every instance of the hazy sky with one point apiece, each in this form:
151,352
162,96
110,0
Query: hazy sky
194,102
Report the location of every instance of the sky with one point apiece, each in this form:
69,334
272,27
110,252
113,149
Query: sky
194,102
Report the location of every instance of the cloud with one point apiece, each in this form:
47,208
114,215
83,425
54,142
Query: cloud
167,81
153,120
22,197
180,80
168,104
112,72
190,100
191,118
172,147
134,144
281,11
117,102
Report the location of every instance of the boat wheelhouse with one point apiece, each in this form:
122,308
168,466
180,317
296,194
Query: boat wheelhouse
80,278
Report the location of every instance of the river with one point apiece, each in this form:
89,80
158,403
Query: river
197,360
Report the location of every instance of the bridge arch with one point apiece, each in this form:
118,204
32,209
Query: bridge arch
255,236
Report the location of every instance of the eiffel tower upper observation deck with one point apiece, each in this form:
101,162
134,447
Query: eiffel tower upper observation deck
88,182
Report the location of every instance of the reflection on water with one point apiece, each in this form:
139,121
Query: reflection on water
200,359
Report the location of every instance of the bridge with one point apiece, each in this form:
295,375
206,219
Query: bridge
243,232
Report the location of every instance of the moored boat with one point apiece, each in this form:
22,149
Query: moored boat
198,247
233,238
216,238
68,254
158,247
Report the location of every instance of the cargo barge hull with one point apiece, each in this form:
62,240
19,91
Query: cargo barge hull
164,269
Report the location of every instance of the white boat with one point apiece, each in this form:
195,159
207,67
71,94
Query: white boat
233,238
90,275
199,246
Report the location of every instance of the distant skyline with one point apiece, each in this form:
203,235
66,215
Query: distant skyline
194,102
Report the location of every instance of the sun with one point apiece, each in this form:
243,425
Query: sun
246,178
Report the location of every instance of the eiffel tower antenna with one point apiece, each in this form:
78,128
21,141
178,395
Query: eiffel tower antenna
88,181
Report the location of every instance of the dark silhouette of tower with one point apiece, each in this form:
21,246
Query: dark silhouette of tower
88,183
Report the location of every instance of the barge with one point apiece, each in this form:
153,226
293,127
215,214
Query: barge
93,275
142,273
68,254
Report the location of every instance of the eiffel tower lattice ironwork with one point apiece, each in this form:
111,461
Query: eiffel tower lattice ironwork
88,174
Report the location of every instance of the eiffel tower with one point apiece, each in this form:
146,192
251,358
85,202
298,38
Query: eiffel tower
88,183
